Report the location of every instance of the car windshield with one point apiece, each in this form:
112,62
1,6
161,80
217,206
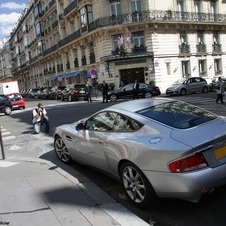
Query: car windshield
179,115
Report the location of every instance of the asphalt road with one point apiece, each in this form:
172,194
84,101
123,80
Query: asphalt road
209,212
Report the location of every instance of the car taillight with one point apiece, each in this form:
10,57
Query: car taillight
75,91
188,164
59,91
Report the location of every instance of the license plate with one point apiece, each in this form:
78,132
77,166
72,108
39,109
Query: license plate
82,91
220,152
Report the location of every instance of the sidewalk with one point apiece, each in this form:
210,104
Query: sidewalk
36,192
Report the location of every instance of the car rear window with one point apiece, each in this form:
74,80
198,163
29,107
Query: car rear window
179,115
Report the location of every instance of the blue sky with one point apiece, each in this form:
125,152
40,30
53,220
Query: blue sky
10,12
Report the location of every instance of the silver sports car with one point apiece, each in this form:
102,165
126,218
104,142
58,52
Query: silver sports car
157,147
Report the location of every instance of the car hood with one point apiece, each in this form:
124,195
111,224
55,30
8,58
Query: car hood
174,86
202,133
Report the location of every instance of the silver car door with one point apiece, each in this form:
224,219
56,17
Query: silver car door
91,146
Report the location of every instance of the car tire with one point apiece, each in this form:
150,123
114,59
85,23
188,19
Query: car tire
7,110
113,98
136,186
23,107
148,95
61,150
183,92
205,89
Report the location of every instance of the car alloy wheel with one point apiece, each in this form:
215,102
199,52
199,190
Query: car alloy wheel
148,95
113,98
136,185
61,150
183,92
7,110
205,89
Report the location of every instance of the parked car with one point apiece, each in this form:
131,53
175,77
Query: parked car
158,147
55,92
32,93
45,93
5,105
145,91
17,100
74,92
188,86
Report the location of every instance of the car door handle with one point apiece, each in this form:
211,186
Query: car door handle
68,138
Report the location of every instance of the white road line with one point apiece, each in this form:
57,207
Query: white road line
4,163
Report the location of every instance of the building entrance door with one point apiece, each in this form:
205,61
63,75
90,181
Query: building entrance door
130,75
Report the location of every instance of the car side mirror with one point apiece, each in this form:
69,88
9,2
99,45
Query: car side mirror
79,126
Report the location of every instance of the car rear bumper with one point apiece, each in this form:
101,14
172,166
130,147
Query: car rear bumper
188,186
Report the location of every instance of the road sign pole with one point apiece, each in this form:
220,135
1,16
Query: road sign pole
2,147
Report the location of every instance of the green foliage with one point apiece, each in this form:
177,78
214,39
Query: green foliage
152,83
111,86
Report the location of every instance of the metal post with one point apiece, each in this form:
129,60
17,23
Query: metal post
1,141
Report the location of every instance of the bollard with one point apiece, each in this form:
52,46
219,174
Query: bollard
1,141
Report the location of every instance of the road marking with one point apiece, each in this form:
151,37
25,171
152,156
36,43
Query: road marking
7,164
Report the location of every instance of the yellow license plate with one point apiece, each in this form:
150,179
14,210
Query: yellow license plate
220,152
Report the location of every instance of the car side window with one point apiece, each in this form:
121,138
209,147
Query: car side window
101,122
124,123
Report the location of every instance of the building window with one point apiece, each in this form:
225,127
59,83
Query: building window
202,68
200,37
138,39
168,68
218,66
185,65
135,6
86,15
183,37
117,41
216,37
115,7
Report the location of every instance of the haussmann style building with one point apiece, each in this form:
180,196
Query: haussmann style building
58,42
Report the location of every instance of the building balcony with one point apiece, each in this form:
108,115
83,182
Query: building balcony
217,49
184,49
139,49
72,6
201,48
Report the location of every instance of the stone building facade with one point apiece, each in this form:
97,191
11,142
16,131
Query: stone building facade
57,42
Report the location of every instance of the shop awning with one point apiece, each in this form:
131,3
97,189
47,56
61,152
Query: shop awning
53,77
72,73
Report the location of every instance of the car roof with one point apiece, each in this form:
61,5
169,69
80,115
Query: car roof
136,105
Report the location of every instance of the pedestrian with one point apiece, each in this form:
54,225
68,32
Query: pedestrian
105,91
39,118
88,89
136,90
220,90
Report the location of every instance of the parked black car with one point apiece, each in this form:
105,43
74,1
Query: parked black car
145,91
55,92
5,105
74,92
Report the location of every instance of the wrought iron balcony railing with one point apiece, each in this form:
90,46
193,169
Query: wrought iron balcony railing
184,49
217,48
139,49
201,48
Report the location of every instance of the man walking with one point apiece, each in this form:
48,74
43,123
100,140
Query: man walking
220,90
105,91
136,90
88,89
